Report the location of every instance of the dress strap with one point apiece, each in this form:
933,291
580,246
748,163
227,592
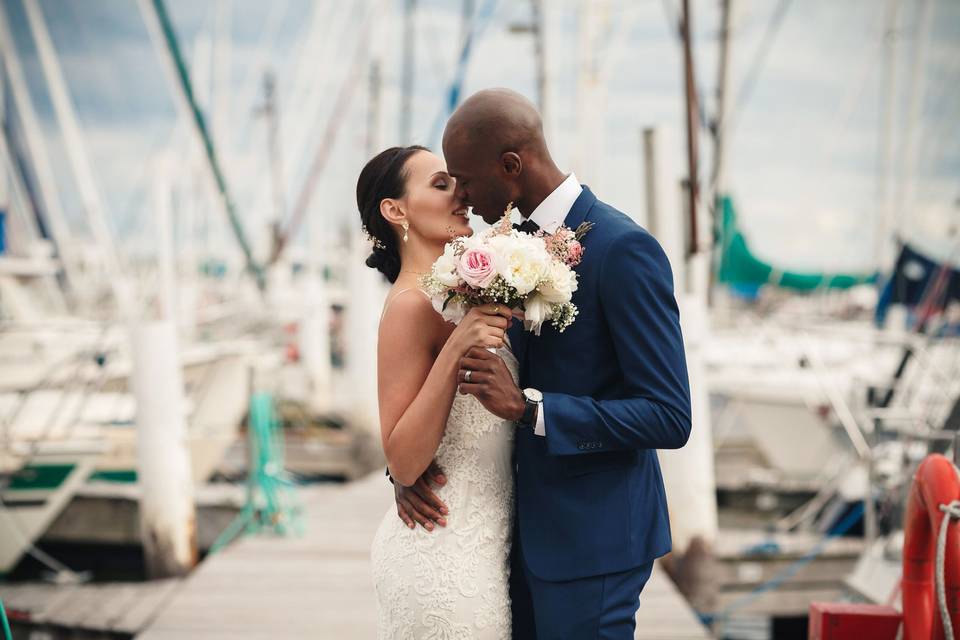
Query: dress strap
397,295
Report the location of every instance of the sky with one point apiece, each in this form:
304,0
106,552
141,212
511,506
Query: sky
802,158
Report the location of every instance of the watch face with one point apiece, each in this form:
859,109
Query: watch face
533,395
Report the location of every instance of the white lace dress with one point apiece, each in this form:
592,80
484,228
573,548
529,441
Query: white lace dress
452,583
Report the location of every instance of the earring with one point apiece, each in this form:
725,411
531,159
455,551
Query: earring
406,227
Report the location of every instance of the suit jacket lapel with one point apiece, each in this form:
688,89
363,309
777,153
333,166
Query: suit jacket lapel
581,206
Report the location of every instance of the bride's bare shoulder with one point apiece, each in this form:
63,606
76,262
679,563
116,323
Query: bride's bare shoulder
409,317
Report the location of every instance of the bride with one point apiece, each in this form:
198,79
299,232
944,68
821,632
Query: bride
451,581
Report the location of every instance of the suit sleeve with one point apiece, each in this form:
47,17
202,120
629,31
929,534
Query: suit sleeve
636,294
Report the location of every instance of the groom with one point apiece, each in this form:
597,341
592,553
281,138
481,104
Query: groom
594,402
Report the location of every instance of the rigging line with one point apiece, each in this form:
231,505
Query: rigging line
479,23
433,32
838,128
905,188
250,83
672,14
333,126
303,92
167,46
616,37
931,155
753,74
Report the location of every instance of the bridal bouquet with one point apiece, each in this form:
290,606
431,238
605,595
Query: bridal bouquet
533,273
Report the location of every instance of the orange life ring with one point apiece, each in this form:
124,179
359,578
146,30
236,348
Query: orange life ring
935,483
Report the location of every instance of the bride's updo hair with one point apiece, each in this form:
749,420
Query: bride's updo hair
384,176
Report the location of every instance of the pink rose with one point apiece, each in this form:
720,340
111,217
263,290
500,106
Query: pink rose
574,253
476,268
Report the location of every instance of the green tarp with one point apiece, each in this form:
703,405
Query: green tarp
739,266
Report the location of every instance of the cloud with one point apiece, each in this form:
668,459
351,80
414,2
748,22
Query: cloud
801,162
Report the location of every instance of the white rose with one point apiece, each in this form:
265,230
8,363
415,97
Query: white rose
445,268
535,313
454,312
560,283
522,261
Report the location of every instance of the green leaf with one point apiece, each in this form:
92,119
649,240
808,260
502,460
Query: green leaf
450,296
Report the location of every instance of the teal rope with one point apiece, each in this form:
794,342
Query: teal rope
6,624
184,75
270,503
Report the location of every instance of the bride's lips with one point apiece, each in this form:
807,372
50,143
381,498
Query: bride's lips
461,212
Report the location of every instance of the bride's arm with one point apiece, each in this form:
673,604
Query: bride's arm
417,377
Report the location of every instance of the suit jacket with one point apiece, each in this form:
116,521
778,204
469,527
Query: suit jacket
590,497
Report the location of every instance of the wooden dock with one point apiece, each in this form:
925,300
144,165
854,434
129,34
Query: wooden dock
315,586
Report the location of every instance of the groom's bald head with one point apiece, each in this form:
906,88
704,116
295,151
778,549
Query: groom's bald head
493,145
495,120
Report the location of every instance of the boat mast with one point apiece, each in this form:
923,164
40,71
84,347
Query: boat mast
53,212
717,185
335,125
690,93
409,60
723,88
882,240
539,47
918,77
271,114
373,108
76,153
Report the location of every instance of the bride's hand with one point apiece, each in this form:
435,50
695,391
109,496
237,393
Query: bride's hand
483,326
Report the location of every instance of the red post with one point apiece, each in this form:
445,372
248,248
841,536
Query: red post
845,620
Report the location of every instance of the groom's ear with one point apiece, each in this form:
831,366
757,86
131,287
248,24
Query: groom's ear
511,163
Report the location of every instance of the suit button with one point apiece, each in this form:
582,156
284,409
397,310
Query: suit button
582,446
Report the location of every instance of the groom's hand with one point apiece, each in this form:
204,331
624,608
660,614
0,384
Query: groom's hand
418,503
491,383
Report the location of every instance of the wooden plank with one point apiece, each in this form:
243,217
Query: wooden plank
126,606
320,585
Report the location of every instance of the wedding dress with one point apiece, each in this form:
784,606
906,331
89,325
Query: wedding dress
452,583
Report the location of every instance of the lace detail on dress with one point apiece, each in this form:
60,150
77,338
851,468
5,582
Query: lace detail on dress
453,583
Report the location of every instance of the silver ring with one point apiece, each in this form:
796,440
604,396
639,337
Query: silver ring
466,376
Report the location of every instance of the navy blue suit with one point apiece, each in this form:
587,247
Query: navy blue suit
591,508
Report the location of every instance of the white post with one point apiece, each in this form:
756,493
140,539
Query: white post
314,340
362,323
167,513
314,334
660,186
167,296
688,473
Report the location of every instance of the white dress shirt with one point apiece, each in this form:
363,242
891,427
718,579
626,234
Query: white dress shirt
549,215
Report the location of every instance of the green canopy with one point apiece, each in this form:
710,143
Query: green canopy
739,266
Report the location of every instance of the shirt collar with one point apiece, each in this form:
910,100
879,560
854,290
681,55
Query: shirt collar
550,213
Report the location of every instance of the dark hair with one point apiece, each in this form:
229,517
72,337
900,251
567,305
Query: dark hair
384,176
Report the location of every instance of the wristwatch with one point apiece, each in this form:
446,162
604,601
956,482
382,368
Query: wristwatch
532,400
